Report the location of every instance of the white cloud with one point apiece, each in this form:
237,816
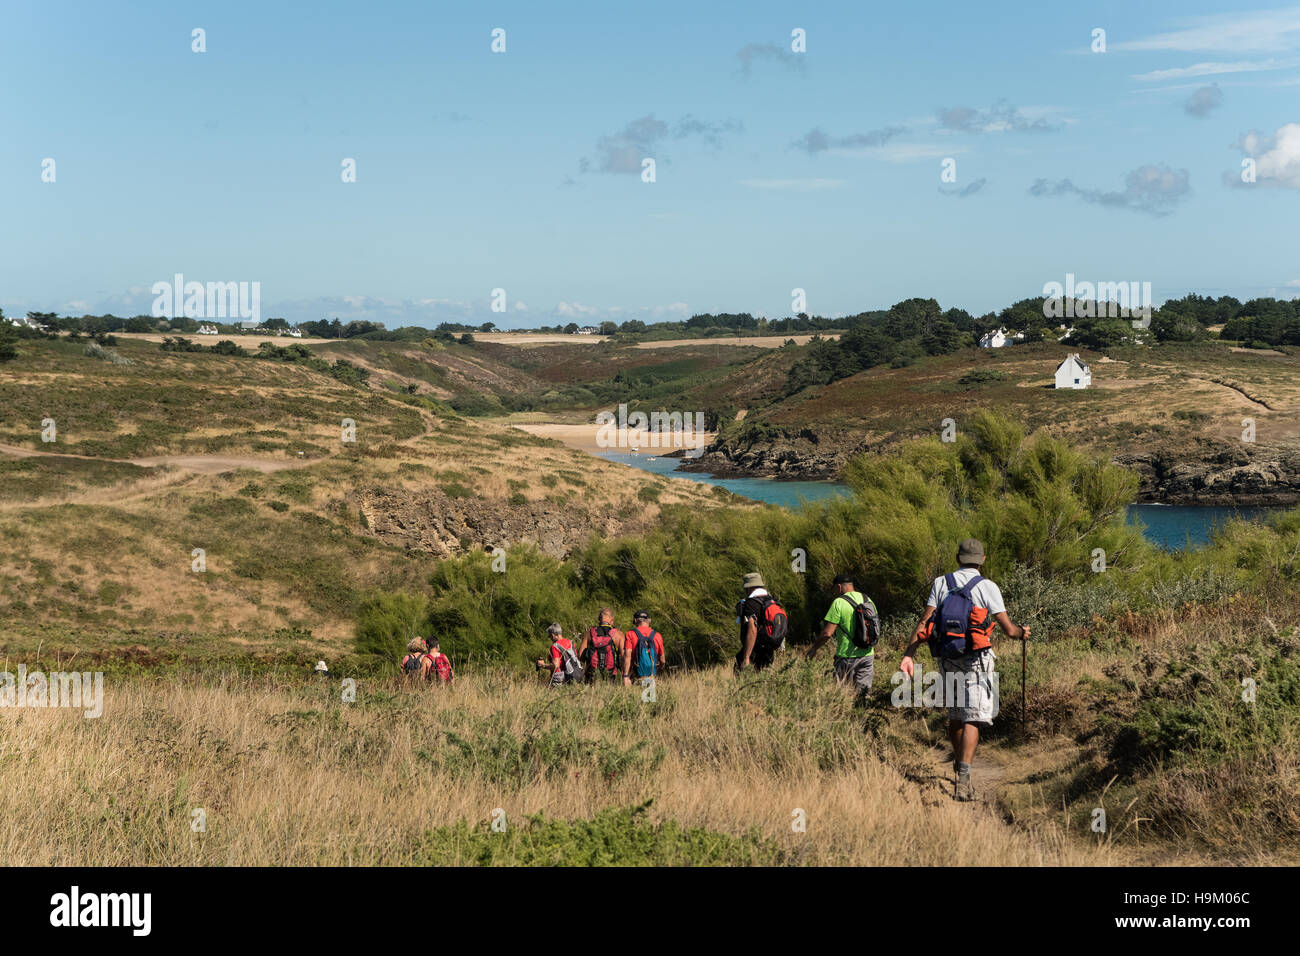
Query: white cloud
1277,157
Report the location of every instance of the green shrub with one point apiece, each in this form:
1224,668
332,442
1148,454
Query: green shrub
614,837
386,622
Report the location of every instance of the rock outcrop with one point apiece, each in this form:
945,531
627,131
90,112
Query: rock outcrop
1217,473
803,456
1205,472
440,525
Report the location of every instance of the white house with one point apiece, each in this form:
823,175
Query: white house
208,330
295,333
588,330
22,321
999,338
1073,373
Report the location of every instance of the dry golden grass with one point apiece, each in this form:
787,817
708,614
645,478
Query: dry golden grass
288,774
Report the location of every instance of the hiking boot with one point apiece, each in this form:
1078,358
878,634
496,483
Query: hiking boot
964,791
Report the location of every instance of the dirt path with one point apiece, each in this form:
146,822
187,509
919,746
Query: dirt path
203,464
1239,390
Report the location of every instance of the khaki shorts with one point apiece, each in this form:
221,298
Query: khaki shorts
970,687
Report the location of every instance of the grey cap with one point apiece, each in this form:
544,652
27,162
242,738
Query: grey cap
753,580
970,551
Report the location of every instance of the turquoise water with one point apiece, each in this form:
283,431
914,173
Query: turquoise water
1169,526
1176,526
788,494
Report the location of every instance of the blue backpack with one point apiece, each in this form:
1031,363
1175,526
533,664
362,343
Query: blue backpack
645,652
950,629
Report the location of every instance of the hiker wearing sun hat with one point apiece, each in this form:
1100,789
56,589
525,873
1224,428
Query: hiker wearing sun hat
967,605
763,624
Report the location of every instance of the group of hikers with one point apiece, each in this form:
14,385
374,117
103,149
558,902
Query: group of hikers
960,615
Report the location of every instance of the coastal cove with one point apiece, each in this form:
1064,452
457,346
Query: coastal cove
1173,527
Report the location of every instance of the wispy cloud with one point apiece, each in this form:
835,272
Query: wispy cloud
1217,69
623,151
1263,31
800,185
1204,101
818,141
999,118
1153,189
767,52
970,189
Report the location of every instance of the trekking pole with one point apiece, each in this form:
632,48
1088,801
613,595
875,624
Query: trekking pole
1024,667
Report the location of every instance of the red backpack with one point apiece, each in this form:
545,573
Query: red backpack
603,656
773,625
442,667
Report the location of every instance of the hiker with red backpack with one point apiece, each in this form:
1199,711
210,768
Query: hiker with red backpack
564,664
958,624
852,619
439,663
643,650
763,625
425,661
602,648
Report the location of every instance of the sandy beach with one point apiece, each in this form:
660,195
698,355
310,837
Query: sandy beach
583,437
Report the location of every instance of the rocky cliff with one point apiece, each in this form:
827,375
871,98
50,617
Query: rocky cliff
442,526
1217,473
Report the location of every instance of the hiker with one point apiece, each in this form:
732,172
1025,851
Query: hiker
439,663
416,663
854,622
763,624
968,605
564,664
602,649
643,650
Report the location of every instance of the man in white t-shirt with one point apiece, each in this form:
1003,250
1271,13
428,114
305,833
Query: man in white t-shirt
971,673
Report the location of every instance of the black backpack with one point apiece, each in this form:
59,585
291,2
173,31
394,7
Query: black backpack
413,664
864,628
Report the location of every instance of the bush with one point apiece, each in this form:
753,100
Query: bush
386,622
95,350
613,837
981,376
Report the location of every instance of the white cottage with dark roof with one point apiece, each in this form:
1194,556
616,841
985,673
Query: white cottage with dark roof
1073,373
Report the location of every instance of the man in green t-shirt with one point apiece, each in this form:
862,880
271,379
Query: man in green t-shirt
854,666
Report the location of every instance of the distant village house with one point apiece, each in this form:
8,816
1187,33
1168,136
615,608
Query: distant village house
999,338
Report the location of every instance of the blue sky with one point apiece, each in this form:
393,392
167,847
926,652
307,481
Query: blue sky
774,170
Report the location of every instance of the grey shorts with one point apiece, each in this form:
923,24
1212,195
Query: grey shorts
970,687
856,672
